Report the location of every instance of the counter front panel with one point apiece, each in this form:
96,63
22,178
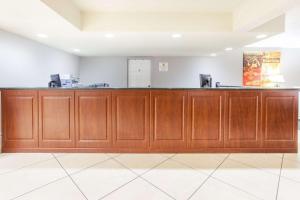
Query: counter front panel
146,120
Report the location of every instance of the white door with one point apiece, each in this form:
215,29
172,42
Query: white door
139,73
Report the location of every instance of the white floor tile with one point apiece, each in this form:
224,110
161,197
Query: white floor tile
288,190
28,178
113,155
176,179
75,162
168,155
205,163
252,180
137,190
63,189
291,169
292,156
268,162
10,162
103,178
140,163
216,190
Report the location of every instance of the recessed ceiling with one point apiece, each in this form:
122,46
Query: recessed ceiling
141,33
157,5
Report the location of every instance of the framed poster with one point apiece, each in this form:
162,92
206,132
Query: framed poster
259,67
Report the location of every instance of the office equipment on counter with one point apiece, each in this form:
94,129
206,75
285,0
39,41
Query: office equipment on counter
99,85
219,85
55,81
205,81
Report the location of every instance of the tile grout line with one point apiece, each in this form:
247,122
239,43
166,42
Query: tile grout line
193,168
140,176
208,177
93,165
70,178
56,180
237,188
37,188
277,191
19,168
106,195
252,166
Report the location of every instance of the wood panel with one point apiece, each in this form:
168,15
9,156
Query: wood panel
169,119
280,119
20,119
56,119
130,111
146,120
93,119
206,119
243,119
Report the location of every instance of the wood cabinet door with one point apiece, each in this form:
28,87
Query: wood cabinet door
93,119
20,119
56,119
130,118
280,119
169,120
206,119
243,119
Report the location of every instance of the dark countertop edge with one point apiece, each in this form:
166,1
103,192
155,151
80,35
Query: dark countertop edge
222,88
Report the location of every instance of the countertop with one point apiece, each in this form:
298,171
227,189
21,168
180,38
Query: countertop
115,88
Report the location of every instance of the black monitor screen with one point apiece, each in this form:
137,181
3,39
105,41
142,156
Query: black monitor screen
55,78
205,81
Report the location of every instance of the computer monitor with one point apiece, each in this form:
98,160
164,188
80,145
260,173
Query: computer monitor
205,81
56,80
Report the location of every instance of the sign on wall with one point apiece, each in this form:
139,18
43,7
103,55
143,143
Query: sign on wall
260,68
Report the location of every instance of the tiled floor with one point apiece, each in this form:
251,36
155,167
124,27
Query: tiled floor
149,176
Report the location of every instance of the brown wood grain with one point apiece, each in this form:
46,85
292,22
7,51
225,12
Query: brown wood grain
280,119
169,119
56,119
130,118
243,119
206,119
20,119
146,120
93,118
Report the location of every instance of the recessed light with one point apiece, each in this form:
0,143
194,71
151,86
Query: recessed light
109,35
229,49
176,35
261,36
41,35
213,54
76,50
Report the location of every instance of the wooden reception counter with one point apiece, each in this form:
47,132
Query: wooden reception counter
149,120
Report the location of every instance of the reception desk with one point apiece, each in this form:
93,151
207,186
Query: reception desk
149,120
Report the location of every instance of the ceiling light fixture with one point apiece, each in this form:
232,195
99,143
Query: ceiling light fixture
109,35
229,49
41,35
213,54
76,50
261,36
176,35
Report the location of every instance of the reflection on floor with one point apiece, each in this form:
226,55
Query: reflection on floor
149,176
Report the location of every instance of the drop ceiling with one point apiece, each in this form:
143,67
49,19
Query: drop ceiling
142,27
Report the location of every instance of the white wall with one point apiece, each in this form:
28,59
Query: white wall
184,71
26,63
112,70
